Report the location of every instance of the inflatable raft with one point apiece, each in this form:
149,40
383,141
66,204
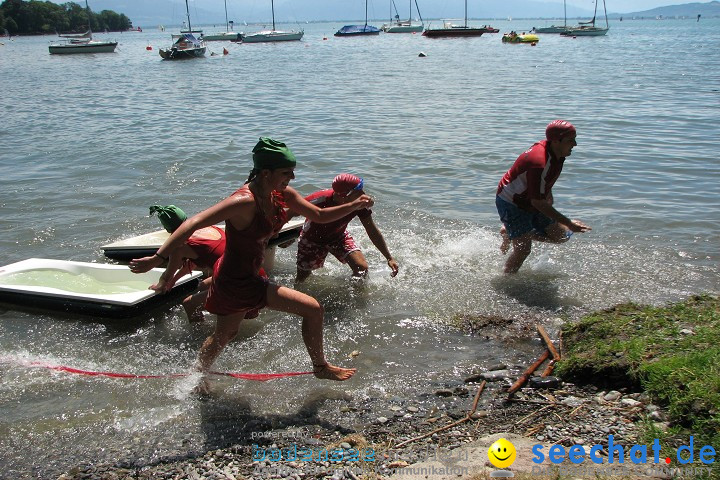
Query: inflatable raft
148,244
88,288
524,38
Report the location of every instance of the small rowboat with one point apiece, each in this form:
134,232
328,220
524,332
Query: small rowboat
89,288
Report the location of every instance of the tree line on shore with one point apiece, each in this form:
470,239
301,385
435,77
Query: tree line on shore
20,17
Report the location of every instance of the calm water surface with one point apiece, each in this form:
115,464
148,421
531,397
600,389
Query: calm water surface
89,142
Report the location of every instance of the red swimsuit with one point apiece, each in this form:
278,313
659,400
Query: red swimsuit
237,285
208,251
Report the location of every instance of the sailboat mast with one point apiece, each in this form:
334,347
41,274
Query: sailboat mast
410,17
565,13
607,25
187,11
366,13
465,13
87,9
418,10
227,25
272,5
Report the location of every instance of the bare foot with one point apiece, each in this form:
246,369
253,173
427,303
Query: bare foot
505,245
202,388
331,372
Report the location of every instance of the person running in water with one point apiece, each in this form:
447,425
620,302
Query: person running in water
524,198
319,239
253,215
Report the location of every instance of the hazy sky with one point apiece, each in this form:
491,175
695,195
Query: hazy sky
166,11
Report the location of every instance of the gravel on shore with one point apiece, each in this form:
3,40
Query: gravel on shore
370,437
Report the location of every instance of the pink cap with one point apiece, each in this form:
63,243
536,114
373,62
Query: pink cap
558,129
344,183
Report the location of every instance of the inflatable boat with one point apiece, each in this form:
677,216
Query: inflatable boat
524,38
148,244
88,288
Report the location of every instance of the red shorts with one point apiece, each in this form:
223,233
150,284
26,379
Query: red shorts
311,255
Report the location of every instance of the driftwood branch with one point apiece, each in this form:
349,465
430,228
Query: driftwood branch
548,342
526,374
548,370
462,420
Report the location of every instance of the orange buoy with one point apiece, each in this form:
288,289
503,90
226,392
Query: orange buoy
148,47
324,38
225,51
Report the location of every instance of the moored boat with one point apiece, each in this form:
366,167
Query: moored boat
89,46
273,35
449,29
81,43
404,26
184,47
358,30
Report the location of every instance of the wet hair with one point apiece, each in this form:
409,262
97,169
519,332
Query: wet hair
253,173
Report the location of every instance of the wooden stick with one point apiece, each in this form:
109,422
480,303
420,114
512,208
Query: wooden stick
462,420
526,374
548,370
548,342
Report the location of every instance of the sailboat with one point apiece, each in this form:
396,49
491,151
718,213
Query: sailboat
226,35
588,29
81,43
404,26
449,29
186,44
272,35
357,30
555,28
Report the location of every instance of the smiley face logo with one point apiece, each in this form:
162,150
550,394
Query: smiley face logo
502,453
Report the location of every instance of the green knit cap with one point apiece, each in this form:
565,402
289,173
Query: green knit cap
271,154
170,216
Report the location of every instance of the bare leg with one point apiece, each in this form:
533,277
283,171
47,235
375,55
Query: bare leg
291,301
505,245
193,303
520,251
193,306
226,328
358,263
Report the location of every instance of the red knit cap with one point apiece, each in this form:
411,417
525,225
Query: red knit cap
344,183
558,129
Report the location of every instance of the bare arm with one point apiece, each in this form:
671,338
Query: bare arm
323,215
379,241
545,207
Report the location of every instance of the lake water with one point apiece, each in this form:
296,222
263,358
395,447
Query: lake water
89,142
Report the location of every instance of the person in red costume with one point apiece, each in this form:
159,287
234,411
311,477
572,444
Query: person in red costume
254,214
524,196
319,239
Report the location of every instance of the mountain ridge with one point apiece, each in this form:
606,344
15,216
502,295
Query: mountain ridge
172,12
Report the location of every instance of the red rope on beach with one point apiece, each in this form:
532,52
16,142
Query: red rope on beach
258,377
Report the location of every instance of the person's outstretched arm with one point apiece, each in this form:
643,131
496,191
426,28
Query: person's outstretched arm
379,241
545,207
323,215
